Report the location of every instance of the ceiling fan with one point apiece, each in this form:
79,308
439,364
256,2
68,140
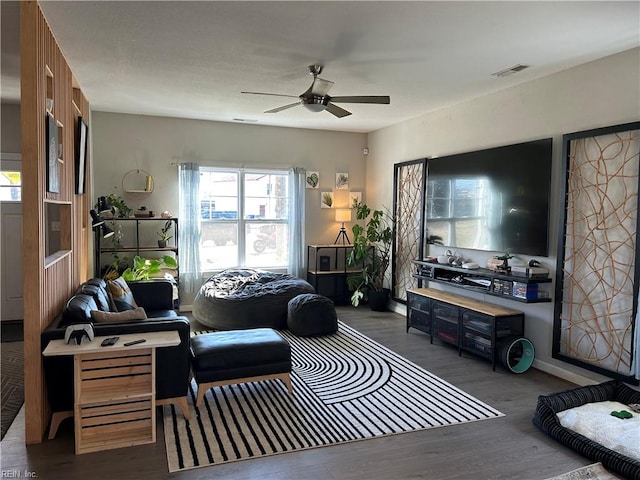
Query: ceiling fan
316,98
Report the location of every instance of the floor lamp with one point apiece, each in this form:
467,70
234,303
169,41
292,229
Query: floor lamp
343,215
100,230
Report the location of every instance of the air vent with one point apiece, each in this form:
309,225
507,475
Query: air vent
510,70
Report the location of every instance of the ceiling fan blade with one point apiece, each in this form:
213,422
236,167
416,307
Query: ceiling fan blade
380,99
337,111
319,87
284,107
271,94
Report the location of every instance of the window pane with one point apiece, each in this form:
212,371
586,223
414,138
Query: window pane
10,186
218,195
267,244
218,247
265,196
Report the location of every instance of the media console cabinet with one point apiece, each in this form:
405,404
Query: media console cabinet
470,325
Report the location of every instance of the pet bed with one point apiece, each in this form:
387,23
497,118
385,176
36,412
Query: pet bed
546,419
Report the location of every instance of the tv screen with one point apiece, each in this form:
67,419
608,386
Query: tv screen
495,199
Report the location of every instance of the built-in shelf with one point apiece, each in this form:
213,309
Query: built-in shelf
56,257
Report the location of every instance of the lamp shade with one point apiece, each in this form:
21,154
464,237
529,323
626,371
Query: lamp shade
96,221
343,215
106,231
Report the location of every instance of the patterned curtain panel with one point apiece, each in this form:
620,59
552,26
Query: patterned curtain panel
597,274
409,180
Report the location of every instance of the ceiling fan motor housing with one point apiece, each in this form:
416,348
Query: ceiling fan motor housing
315,103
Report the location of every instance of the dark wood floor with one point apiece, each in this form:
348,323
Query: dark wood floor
505,448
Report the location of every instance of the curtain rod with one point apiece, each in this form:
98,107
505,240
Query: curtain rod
241,166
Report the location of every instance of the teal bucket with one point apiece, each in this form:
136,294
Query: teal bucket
517,354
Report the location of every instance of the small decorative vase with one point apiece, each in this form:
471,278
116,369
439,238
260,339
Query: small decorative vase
162,243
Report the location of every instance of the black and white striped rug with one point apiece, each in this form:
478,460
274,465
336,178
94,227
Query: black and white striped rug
346,387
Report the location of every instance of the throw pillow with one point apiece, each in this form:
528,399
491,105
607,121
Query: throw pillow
99,294
118,317
120,295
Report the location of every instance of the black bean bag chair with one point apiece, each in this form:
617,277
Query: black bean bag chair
546,420
237,299
310,314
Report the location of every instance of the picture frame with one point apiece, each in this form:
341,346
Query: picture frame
312,179
326,200
82,133
51,155
354,199
342,181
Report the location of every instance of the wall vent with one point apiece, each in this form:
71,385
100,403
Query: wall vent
510,70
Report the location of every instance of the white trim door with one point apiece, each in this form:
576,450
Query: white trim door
11,307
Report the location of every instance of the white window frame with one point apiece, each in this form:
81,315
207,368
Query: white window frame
241,222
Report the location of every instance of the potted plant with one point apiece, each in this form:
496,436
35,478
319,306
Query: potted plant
143,268
371,253
164,234
115,203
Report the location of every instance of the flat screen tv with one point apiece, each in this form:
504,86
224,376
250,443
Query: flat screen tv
495,200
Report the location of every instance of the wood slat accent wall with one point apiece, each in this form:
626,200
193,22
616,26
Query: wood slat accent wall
48,282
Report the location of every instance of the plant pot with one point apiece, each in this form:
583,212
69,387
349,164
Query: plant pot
378,300
162,243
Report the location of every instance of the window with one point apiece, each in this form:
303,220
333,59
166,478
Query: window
10,186
244,219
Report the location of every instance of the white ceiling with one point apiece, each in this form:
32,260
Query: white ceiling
192,59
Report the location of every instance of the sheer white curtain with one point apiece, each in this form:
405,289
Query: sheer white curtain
189,230
297,178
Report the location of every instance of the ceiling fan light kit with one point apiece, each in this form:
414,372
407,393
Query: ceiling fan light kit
316,98
315,104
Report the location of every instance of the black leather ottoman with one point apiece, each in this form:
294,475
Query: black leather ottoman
239,356
311,314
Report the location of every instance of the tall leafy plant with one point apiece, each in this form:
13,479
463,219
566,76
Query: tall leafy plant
371,251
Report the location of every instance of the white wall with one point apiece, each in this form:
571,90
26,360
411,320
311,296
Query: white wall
10,128
597,94
124,142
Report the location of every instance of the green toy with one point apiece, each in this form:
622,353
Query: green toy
623,414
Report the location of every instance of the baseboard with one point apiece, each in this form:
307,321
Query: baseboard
566,374
398,308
